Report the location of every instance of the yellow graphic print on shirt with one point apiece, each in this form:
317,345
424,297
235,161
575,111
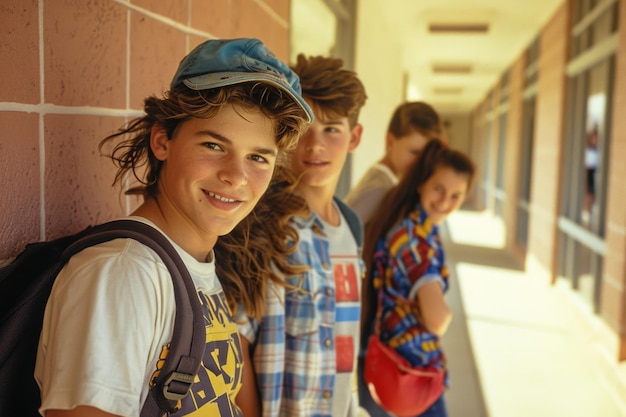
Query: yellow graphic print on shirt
219,378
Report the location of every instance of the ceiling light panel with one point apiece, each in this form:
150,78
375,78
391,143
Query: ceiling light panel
451,68
458,28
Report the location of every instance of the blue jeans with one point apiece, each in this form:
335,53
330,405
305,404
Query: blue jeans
438,409
365,399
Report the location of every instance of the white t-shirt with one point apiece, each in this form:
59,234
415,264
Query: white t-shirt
592,157
346,271
110,318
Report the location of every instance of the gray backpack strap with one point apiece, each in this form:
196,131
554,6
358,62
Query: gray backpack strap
189,336
353,221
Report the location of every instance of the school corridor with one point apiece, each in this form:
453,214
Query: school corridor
518,347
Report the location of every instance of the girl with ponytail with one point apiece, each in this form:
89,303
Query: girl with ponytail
405,257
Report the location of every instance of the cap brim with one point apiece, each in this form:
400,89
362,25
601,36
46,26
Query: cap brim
221,79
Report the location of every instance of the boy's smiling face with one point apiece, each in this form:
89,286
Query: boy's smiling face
215,170
322,150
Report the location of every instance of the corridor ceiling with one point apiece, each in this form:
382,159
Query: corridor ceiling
454,51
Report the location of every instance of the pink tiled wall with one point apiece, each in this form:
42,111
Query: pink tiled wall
19,49
512,164
477,153
73,72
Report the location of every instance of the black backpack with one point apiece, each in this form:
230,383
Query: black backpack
25,286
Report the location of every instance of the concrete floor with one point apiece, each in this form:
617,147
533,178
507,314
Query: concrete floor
515,347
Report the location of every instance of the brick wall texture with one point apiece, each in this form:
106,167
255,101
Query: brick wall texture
71,73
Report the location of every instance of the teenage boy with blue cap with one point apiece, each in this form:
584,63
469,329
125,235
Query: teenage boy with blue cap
203,154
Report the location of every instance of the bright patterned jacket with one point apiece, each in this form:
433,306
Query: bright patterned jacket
409,257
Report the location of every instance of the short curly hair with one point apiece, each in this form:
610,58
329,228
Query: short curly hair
330,88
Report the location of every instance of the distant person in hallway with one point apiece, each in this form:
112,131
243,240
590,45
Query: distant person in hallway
304,347
592,159
411,126
404,255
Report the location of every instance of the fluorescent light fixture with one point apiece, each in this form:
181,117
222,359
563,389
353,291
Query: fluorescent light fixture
447,90
451,68
458,28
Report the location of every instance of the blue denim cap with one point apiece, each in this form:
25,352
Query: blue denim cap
220,62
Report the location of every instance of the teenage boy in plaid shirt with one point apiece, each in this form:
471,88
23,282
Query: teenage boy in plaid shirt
304,347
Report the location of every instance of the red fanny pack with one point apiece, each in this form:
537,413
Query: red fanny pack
395,385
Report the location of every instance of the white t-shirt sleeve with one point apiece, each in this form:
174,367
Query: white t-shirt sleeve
99,339
367,202
368,194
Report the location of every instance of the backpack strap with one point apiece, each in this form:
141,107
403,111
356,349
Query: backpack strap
353,221
189,337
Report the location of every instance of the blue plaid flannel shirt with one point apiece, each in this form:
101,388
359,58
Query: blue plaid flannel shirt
294,345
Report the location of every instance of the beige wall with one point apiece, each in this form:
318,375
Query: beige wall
512,160
546,157
379,67
550,114
71,73
541,256
458,131
613,290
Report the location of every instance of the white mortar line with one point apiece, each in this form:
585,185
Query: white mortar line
166,20
272,13
48,108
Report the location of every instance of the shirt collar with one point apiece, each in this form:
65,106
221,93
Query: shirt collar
420,218
312,222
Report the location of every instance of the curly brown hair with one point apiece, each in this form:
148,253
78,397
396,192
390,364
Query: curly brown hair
133,155
269,238
242,264
330,88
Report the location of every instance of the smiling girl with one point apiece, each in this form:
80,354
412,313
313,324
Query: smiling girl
404,256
